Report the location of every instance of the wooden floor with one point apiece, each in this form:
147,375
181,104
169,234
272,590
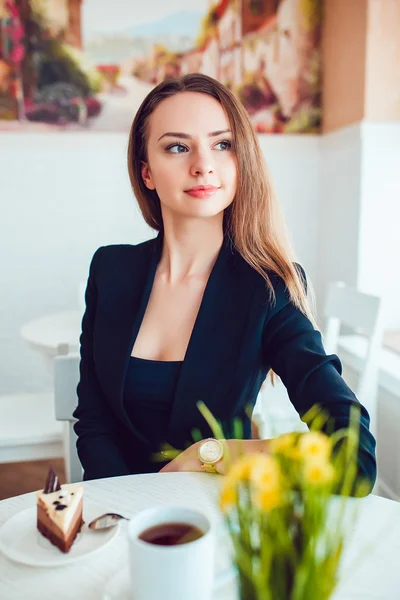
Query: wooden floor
23,477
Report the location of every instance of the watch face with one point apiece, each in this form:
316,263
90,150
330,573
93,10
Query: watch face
211,451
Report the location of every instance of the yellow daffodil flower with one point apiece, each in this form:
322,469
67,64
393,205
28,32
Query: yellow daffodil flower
228,497
282,443
245,467
265,473
314,445
318,472
268,499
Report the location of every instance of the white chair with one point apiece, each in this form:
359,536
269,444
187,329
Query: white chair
362,314
66,378
28,428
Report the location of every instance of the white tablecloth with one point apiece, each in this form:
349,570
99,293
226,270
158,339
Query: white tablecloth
371,566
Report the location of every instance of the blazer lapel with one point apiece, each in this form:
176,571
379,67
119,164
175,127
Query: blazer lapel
215,343
127,307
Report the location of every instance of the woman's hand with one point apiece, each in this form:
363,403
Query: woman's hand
188,459
185,461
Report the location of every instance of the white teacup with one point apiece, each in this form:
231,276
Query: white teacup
178,572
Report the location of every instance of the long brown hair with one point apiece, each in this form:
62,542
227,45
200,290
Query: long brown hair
253,220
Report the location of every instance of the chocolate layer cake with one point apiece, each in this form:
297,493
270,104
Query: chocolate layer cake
59,511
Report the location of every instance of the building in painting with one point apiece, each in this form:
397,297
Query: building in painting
211,58
236,19
256,44
288,53
255,13
64,18
229,30
192,61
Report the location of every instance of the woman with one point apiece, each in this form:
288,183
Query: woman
205,310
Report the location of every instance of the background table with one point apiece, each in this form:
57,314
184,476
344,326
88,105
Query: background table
373,552
54,334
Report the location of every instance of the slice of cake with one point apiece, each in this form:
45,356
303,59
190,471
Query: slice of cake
59,511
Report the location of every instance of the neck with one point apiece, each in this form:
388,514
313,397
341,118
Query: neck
190,249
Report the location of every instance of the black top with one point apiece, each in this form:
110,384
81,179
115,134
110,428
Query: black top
240,333
148,397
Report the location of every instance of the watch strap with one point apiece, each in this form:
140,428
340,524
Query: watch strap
208,468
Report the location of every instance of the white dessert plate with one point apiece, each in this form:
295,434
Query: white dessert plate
21,541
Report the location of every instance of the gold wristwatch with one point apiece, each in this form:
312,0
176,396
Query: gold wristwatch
210,452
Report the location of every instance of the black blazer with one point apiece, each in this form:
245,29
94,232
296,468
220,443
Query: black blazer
239,334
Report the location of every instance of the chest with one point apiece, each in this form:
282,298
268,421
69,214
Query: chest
169,320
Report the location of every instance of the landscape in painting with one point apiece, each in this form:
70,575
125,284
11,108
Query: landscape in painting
88,64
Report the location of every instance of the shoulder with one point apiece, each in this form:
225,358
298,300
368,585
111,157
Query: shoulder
275,296
122,250
118,255
279,284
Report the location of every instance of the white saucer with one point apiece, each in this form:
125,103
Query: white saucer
21,541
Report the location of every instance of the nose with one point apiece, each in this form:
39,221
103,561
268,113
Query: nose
202,163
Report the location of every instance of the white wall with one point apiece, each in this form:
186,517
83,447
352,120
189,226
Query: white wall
63,195
294,166
359,212
339,208
379,242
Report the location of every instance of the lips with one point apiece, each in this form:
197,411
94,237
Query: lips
201,188
202,191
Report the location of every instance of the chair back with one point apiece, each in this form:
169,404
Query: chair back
362,313
66,378
357,311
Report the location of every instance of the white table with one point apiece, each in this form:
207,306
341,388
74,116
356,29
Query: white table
374,543
54,334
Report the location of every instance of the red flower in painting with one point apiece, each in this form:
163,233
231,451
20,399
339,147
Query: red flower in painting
17,54
16,33
12,9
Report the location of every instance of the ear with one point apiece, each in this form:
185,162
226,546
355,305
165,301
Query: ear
147,178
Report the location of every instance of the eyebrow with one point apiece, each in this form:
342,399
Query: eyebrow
186,136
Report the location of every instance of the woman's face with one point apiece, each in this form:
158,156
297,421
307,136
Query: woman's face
191,163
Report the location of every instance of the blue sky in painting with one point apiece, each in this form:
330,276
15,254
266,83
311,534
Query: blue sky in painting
150,17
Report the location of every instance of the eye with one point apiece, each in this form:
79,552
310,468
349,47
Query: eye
176,148
227,145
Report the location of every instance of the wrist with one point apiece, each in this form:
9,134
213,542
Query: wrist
257,446
210,453
234,449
